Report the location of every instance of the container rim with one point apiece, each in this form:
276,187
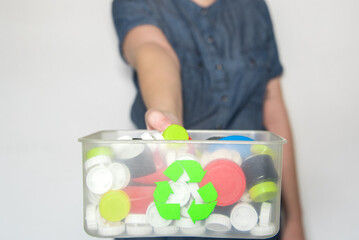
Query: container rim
90,138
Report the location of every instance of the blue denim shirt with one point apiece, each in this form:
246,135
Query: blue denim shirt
227,54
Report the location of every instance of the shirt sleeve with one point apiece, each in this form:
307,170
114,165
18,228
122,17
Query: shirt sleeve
128,14
275,68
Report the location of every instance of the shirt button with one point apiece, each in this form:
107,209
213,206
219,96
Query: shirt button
219,126
210,40
224,98
204,12
219,67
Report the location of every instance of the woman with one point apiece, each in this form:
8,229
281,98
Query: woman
208,64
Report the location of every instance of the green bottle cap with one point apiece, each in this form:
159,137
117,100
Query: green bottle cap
99,151
175,132
115,205
263,191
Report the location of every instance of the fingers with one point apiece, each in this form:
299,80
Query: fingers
157,120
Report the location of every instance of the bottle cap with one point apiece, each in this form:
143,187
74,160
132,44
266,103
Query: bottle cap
134,218
246,198
121,175
108,229
265,214
259,168
175,132
97,160
114,205
261,231
99,179
184,209
158,136
99,151
141,197
154,218
262,149
138,230
169,230
127,151
227,178
264,191
218,223
90,217
193,187
93,197
188,223
221,153
181,193
244,217
147,136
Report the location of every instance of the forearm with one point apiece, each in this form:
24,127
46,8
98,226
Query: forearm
159,79
276,120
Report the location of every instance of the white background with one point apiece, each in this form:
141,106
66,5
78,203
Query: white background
61,78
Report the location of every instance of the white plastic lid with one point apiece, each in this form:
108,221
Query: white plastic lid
127,151
133,218
181,193
93,197
246,198
184,209
90,216
169,230
147,136
263,230
193,187
221,153
188,223
218,223
154,218
244,217
138,230
107,229
186,156
265,214
125,137
96,160
99,179
121,175
158,136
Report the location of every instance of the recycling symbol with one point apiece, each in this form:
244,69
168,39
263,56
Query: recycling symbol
197,211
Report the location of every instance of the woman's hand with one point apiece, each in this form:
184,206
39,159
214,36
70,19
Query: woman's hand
160,120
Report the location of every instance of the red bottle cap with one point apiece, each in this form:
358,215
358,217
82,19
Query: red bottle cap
140,197
227,178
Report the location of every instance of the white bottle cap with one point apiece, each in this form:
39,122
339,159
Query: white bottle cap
263,230
90,217
218,223
154,218
246,198
188,227
107,228
93,197
221,153
125,137
133,218
181,193
96,160
169,230
184,209
193,187
244,217
138,230
265,214
158,136
147,136
188,223
196,231
121,175
99,179
186,156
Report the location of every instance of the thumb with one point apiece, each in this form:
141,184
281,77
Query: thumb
157,120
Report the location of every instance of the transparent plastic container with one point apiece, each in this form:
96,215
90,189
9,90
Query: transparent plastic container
221,184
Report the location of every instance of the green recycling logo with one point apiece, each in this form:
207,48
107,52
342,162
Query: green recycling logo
197,211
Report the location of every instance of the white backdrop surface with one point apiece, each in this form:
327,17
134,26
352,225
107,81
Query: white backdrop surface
62,78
